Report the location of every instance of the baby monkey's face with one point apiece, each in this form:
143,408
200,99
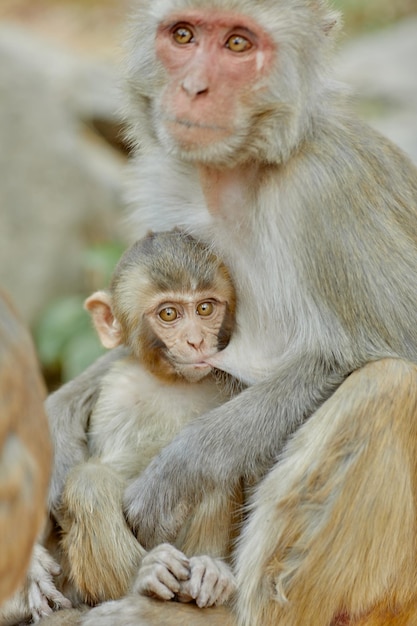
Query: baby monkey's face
189,327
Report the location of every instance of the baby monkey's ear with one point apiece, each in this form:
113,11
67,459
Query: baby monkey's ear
106,325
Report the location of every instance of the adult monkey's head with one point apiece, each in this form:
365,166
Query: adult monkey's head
222,81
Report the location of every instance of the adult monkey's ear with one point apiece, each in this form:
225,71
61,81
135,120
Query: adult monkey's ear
332,22
106,325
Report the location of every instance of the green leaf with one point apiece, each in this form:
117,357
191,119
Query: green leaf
79,353
61,321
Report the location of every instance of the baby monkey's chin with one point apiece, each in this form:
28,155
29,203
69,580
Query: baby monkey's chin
194,372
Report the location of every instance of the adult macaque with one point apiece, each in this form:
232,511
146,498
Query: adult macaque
171,304
25,453
247,142
25,461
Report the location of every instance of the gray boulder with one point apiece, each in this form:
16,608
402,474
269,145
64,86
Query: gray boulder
381,69
60,183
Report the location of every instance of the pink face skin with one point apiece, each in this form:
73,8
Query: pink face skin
189,328
214,61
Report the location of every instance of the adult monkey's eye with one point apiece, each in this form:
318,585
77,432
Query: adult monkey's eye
237,43
182,35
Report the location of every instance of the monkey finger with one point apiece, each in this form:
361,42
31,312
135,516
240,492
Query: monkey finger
212,581
38,604
208,594
184,595
198,571
161,585
53,596
44,599
174,559
164,576
161,571
43,595
225,589
170,558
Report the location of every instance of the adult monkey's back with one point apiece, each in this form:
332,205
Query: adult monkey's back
247,142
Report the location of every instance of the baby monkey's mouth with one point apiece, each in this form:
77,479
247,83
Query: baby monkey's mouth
198,361
200,365
197,364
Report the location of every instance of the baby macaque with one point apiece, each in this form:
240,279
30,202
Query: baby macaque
171,304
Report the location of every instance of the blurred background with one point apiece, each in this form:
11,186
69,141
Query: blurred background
63,159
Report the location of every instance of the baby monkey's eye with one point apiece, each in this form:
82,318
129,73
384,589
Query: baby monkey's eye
169,314
182,35
237,43
205,309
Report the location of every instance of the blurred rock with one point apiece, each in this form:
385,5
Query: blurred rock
60,182
381,68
